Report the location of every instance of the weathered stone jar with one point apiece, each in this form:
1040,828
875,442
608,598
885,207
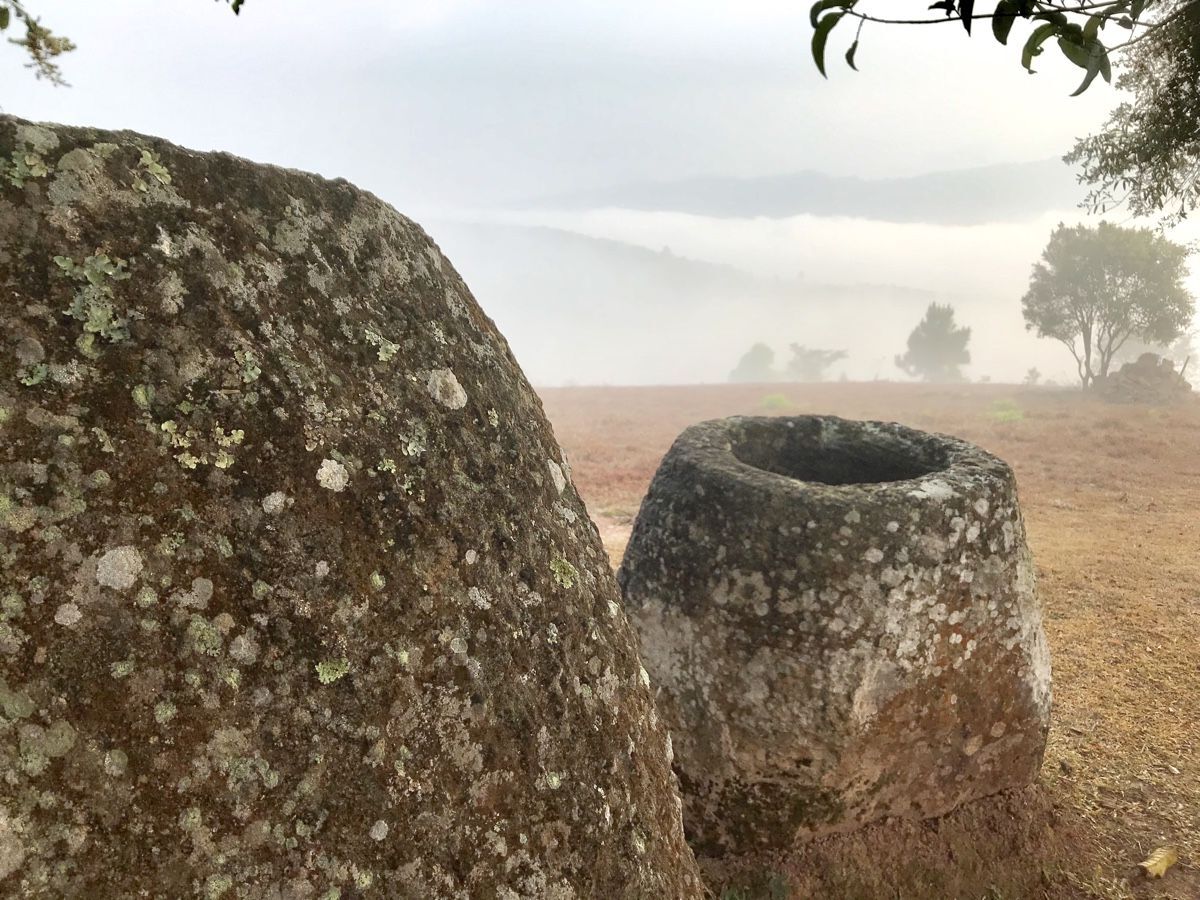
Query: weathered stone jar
296,597
841,623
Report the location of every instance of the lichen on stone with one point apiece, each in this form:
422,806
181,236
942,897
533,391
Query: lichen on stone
444,387
268,578
564,572
331,670
333,476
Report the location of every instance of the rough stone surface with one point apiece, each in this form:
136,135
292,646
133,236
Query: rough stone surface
291,605
841,624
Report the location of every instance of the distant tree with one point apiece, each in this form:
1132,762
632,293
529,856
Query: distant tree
937,347
1032,377
1096,288
756,366
808,364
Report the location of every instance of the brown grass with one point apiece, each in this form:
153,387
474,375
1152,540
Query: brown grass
1112,501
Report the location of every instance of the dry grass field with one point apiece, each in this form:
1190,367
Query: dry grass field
1111,496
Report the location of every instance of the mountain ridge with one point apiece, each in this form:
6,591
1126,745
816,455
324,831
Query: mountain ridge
1003,192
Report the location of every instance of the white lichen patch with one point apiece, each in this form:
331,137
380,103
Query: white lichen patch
933,489
67,614
379,830
116,762
275,502
332,475
479,598
556,475
244,648
119,568
199,595
443,387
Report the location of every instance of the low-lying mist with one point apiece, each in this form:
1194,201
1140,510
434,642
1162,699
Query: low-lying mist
581,304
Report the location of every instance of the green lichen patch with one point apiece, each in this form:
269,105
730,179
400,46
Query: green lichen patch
331,670
149,164
22,166
93,304
564,573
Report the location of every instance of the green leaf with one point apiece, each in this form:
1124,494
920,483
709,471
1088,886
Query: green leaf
1097,64
820,36
1058,18
1092,29
4,14
1033,46
966,9
821,5
1076,53
1002,20
850,55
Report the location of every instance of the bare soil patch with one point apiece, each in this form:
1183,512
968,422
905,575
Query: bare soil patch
1111,497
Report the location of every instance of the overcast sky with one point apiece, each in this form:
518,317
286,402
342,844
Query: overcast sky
454,102
452,109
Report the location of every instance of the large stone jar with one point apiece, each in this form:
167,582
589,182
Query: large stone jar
840,621
297,599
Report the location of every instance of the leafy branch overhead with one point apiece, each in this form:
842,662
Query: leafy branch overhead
1075,25
43,46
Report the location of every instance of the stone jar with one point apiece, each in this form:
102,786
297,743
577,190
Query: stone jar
297,599
840,621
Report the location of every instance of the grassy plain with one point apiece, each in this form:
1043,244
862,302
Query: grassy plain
1111,496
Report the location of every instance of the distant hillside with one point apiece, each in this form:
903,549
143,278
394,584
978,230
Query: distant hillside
1002,193
590,311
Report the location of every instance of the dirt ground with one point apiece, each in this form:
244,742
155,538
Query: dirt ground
1111,496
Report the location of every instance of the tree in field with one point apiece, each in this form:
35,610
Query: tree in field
810,364
756,365
937,347
1096,288
1147,156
